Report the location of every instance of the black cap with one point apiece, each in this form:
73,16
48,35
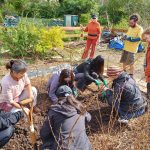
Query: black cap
63,91
94,16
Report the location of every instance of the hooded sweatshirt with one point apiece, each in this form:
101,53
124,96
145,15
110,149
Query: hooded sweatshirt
65,128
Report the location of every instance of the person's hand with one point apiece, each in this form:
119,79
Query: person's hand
102,96
27,111
97,82
81,27
105,83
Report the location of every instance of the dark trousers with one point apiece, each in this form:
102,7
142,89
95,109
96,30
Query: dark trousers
82,82
6,135
148,90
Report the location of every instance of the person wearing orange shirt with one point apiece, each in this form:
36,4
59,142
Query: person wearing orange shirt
94,30
146,37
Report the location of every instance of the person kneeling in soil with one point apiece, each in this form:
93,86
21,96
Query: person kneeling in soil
7,120
125,96
66,77
65,125
16,87
89,71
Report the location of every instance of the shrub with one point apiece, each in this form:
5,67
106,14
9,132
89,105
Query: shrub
84,18
29,40
123,24
50,39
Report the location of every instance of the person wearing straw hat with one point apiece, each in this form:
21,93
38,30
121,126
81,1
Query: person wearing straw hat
65,126
124,96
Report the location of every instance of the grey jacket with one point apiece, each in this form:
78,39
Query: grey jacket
126,94
65,129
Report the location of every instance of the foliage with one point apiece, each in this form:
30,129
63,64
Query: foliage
123,24
8,9
29,40
77,7
84,18
50,39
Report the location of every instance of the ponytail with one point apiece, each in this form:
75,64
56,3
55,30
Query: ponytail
9,64
17,66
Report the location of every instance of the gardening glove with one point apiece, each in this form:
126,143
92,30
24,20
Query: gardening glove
75,92
97,82
105,83
102,96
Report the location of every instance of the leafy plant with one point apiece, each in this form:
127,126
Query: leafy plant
32,41
84,18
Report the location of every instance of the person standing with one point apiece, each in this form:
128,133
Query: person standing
146,37
132,41
94,30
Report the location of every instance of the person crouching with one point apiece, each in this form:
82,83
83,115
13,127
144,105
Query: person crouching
125,95
65,126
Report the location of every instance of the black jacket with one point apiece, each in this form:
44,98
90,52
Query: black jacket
87,68
7,119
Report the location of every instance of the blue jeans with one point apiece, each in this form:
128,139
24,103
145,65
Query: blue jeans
6,135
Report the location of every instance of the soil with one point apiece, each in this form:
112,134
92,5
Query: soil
104,131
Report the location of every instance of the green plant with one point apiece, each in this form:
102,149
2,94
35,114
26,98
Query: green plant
50,39
32,41
84,18
123,24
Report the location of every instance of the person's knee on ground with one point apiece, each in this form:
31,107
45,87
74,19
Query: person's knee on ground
34,91
6,135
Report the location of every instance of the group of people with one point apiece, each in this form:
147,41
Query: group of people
64,127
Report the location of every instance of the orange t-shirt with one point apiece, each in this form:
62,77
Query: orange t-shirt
147,70
93,28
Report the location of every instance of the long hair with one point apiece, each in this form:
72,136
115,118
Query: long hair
65,73
97,65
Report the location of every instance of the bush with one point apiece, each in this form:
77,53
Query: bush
103,21
123,24
84,18
50,39
31,41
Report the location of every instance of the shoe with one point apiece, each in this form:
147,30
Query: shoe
123,121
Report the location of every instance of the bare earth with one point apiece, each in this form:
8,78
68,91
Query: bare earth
103,130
